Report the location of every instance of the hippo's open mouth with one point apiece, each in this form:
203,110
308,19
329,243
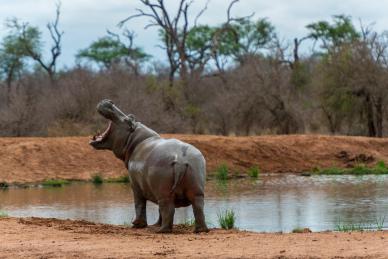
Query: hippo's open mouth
101,137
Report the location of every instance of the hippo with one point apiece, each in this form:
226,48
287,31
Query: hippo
167,172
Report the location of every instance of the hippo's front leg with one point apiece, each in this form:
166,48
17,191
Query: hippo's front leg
141,212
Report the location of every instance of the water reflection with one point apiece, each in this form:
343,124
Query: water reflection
271,203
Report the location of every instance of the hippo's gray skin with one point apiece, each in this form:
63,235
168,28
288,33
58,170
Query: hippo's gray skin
168,172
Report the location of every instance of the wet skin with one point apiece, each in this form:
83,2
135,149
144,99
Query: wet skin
168,172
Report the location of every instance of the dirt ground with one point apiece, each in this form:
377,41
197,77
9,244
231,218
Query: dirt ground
25,160
52,238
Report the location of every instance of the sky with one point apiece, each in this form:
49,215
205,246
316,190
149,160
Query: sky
84,21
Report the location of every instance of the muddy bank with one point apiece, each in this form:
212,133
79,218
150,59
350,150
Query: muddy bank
26,160
52,238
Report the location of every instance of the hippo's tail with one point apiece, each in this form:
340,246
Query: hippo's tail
179,170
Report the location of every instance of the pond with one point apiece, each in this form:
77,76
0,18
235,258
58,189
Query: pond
271,203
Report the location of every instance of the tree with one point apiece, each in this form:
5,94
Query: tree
12,59
110,50
30,41
339,32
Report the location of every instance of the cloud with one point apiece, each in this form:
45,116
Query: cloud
85,20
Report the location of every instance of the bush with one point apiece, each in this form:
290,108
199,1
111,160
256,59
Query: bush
254,171
222,172
227,219
97,179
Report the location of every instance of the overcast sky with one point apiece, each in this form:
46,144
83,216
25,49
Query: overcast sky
83,21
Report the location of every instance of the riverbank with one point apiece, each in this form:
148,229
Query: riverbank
51,238
31,160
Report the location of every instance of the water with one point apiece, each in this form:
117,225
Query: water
270,204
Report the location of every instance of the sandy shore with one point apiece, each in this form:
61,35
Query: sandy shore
29,160
52,238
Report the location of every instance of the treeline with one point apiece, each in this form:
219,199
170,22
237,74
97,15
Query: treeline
235,78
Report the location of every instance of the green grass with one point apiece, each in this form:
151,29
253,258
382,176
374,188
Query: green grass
226,219
254,171
127,224
360,169
189,222
55,183
121,179
380,223
350,227
97,179
222,172
4,185
3,214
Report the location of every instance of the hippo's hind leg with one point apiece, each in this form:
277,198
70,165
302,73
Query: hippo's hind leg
140,208
159,222
197,204
167,210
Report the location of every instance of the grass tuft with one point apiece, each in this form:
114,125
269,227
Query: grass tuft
121,179
222,172
55,183
189,222
3,214
97,179
227,219
349,227
254,171
360,169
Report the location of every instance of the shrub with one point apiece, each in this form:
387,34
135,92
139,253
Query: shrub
97,179
227,219
222,172
55,183
254,171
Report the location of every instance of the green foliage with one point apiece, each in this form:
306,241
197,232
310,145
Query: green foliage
192,111
340,31
3,214
55,183
21,42
97,179
254,171
226,219
108,50
222,172
199,41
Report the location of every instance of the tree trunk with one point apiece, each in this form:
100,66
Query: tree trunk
379,117
370,116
